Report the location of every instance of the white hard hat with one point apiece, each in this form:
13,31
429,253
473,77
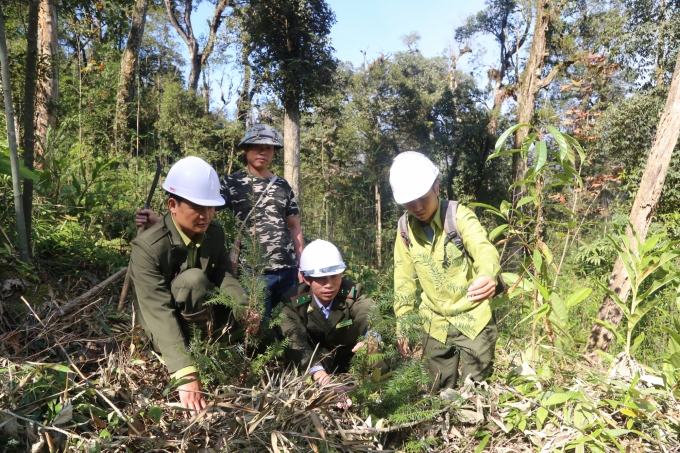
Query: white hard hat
411,176
195,180
321,258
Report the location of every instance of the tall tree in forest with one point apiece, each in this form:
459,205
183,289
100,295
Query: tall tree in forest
48,86
197,57
290,50
29,111
644,205
12,140
509,23
531,82
127,71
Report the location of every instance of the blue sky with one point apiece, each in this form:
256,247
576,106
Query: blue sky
377,27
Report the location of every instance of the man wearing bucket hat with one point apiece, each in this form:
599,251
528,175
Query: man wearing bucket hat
259,198
264,205
326,315
443,246
175,263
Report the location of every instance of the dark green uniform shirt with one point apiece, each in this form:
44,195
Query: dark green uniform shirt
306,327
158,256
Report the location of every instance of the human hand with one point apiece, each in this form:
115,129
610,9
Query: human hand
252,322
146,218
190,395
402,347
482,288
372,343
321,377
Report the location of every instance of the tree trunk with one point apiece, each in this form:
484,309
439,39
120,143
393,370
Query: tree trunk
197,59
378,214
29,111
48,87
291,147
126,82
243,103
531,82
644,205
12,139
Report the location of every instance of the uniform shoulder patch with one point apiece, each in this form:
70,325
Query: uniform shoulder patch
349,292
300,299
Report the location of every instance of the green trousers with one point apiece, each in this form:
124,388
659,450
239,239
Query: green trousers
474,356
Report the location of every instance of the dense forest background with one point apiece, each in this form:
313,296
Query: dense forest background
101,88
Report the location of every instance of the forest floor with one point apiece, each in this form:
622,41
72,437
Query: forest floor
86,381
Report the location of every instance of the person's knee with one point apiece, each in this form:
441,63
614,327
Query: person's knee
190,289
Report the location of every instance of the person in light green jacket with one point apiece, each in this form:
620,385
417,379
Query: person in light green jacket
459,327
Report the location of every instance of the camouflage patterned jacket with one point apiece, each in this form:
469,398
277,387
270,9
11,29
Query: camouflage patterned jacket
270,217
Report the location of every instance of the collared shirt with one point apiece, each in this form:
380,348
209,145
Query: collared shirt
192,246
325,310
444,296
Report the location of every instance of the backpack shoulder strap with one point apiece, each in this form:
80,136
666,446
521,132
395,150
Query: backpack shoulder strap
448,211
402,225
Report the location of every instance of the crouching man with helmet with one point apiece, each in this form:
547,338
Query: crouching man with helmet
326,316
175,264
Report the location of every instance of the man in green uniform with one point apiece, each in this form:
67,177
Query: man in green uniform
326,315
175,263
458,322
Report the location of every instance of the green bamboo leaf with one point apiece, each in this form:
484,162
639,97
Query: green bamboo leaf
498,230
555,399
525,200
577,297
541,156
62,368
483,443
577,146
566,153
504,136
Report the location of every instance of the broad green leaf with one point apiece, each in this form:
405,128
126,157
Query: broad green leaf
62,368
505,207
155,414
577,146
541,156
619,338
498,230
636,343
566,153
483,443
482,205
546,252
559,308
556,398
528,140
539,313
577,297
674,360
504,136
541,415
524,201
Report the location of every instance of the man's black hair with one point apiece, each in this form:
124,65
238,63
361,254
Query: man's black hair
175,197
